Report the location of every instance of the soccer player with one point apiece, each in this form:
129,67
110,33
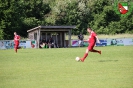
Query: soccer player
92,41
16,41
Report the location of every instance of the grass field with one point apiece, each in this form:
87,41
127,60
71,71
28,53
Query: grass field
57,68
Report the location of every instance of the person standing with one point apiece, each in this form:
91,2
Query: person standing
44,43
80,37
50,42
16,41
92,41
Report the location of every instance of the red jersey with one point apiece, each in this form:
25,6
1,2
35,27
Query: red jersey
16,37
92,37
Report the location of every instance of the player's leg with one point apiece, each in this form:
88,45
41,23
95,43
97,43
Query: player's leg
15,48
93,50
90,48
85,55
97,51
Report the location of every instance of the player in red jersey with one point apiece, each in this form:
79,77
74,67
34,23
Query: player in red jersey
16,41
92,41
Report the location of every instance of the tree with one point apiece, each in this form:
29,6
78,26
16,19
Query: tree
68,12
2,26
21,15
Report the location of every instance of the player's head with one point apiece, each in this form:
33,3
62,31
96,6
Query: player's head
89,30
15,33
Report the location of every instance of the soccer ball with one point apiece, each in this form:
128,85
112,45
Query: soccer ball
77,59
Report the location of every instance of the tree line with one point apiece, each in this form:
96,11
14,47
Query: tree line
22,15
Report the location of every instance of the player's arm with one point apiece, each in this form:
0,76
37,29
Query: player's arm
86,40
97,40
18,37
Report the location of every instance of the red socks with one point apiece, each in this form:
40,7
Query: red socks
85,55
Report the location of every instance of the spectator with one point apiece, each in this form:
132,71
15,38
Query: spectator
44,43
50,42
80,37
2,46
113,42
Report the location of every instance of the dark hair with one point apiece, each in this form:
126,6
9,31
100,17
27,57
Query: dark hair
89,28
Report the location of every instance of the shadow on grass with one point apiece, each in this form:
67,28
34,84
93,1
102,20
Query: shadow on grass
108,60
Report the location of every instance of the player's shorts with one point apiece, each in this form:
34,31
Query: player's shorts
80,42
91,46
16,45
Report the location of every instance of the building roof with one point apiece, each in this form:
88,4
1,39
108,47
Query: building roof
52,27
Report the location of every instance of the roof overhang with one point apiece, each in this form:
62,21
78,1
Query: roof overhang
51,27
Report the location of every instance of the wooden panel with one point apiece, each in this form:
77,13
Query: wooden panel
55,30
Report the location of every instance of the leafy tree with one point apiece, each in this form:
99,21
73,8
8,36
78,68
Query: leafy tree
21,15
68,12
2,26
17,14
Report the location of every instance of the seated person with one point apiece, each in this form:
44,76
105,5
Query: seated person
44,43
50,42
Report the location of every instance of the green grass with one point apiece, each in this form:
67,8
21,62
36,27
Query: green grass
57,68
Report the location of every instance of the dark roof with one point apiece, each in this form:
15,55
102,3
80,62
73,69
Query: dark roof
52,27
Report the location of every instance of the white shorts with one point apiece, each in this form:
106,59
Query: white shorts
80,42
